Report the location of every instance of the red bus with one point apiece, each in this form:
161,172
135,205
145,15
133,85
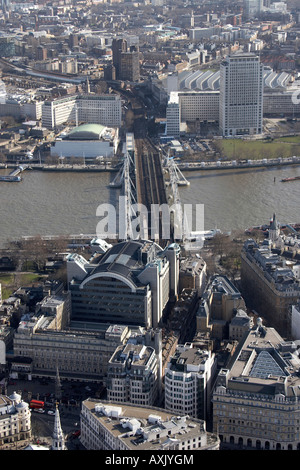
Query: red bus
36,404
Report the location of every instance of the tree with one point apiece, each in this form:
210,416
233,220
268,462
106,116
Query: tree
35,250
101,87
221,244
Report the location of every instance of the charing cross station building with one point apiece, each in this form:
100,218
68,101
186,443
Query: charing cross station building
131,284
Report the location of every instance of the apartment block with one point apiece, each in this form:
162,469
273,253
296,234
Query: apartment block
126,60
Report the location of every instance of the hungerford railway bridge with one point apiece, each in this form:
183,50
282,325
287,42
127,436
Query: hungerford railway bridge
143,184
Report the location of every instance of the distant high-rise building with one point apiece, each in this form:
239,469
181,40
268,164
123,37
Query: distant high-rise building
5,5
241,95
252,8
130,65
118,46
126,60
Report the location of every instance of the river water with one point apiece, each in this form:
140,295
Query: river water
53,203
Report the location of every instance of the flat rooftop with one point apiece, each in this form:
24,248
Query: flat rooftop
265,363
168,426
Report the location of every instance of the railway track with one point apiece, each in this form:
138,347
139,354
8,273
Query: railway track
149,174
150,182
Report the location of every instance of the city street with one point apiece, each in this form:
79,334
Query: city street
43,423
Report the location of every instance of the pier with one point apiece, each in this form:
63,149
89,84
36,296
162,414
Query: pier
14,174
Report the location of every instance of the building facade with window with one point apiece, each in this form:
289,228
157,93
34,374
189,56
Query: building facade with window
93,109
241,95
188,381
129,285
15,419
132,375
256,398
111,426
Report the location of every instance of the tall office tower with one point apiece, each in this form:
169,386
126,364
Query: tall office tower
241,95
173,115
130,65
5,5
118,46
126,60
252,8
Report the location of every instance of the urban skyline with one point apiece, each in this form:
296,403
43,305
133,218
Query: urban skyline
165,335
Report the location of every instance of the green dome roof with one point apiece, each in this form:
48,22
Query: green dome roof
86,132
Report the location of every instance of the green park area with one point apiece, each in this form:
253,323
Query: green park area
236,149
10,282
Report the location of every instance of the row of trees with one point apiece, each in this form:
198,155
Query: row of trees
33,253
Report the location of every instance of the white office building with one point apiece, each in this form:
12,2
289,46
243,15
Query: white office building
111,426
93,109
100,109
59,111
188,381
241,95
132,375
191,106
87,141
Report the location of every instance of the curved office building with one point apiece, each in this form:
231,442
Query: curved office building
130,285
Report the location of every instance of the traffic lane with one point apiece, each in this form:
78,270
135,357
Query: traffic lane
43,427
43,422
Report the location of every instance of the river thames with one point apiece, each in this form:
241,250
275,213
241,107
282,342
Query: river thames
56,203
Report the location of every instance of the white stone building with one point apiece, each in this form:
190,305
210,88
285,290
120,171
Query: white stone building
91,141
256,398
93,109
188,381
109,426
191,106
132,375
15,422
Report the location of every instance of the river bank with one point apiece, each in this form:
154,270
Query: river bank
183,166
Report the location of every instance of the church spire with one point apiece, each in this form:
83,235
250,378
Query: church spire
274,230
57,385
58,438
